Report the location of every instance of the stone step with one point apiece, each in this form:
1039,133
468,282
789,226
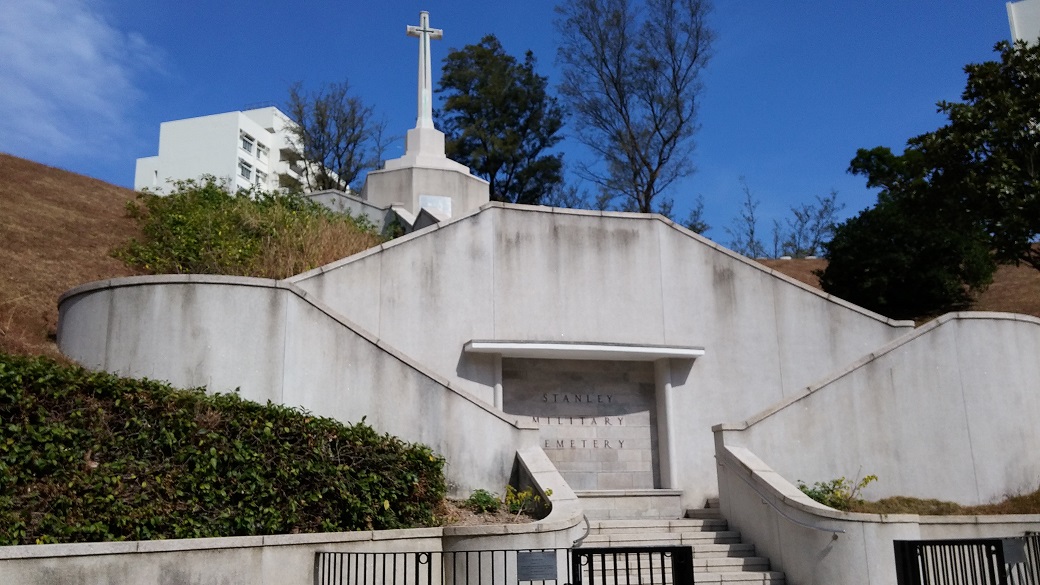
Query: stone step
743,577
730,564
719,555
704,513
645,569
708,551
630,504
663,538
644,526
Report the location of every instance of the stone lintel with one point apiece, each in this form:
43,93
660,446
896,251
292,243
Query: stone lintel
582,350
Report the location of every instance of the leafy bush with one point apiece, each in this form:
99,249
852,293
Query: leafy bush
839,494
201,228
483,501
88,457
523,501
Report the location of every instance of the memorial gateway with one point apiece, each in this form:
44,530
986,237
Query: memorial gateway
636,369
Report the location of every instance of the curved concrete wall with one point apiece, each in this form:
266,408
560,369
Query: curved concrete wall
816,545
948,412
275,343
543,274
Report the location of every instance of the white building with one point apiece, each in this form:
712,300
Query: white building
243,148
1024,17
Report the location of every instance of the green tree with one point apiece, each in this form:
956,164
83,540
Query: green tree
500,121
911,255
958,200
986,160
335,137
632,79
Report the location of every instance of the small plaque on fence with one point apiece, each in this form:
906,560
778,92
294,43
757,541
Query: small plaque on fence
536,565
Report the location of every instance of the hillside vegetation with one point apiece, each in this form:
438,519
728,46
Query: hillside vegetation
58,230
87,457
201,228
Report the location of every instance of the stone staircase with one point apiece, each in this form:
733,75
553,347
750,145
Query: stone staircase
719,556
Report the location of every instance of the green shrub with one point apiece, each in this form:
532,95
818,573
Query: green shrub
88,457
201,228
482,501
839,494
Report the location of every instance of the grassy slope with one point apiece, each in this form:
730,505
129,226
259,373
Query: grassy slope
56,231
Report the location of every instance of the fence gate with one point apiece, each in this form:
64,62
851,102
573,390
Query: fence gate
992,561
663,565
660,565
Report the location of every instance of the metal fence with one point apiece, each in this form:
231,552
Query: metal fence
543,566
993,561
579,566
659,565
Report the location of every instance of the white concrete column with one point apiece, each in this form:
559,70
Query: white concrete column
665,426
498,380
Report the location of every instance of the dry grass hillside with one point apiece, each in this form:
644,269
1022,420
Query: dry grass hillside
57,229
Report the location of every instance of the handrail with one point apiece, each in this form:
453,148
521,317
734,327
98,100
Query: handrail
588,529
782,513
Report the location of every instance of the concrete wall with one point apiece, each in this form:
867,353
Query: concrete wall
1024,18
406,186
816,545
341,202
947,412
275,343
543,274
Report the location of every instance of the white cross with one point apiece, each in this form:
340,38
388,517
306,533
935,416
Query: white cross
425,33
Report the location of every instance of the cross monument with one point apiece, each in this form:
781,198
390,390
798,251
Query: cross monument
424,119
424,179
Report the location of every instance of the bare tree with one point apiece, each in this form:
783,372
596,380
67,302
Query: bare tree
811,226
632,80
335,135
744,231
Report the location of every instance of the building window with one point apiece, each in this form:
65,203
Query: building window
247,142
245,170
261,177
261,151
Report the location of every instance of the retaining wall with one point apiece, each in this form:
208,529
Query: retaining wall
273,342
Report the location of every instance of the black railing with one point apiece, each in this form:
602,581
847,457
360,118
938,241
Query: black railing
543,566
992,561
1022,558
661,565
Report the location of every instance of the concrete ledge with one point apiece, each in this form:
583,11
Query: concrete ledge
631,504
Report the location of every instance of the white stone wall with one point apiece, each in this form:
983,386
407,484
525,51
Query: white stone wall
539,274
267,340
811,543
949,412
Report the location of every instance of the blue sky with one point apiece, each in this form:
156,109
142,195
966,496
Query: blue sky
793,89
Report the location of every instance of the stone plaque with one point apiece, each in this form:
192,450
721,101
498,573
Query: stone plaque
596,418
536,565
